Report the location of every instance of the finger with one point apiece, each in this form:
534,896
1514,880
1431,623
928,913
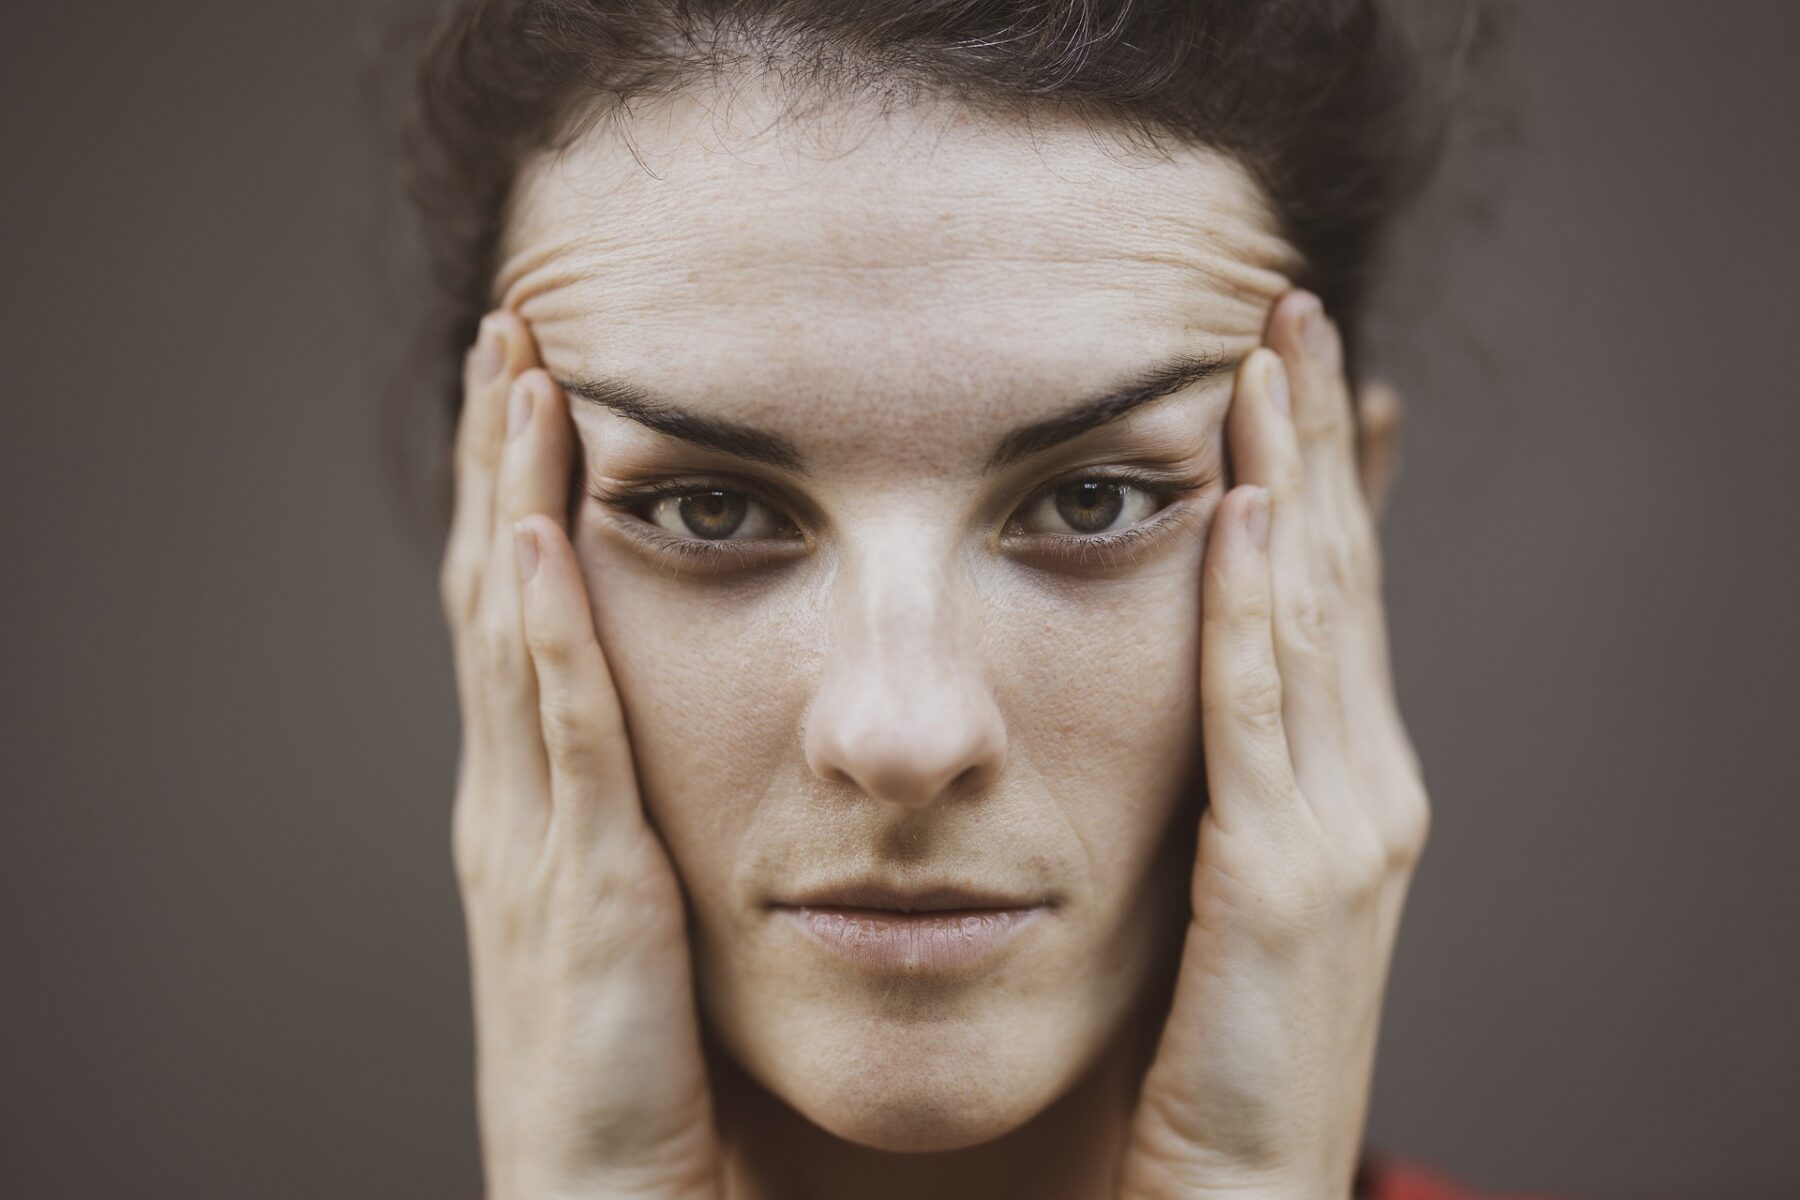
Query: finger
1313,355
532,479
1266,446
1347,559
1249,774
593,783
1378,444
1347,556
502,349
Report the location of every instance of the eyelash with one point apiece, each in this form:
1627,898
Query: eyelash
725,554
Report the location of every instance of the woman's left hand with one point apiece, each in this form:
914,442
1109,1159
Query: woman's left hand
1317,813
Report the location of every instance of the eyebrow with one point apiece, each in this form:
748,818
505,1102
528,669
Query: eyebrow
653,411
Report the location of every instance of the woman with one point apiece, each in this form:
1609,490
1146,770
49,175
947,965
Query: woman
915,592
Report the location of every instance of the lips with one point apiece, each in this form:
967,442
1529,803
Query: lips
881,928
871,894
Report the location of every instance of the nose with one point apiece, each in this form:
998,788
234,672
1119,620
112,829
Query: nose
902,712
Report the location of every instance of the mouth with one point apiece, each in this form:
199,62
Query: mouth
885,930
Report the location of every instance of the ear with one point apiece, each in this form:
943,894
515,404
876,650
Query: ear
1379,414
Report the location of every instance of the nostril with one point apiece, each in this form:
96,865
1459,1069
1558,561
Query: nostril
968,779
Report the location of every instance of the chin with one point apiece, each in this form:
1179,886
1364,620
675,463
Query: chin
912,1070
895,1094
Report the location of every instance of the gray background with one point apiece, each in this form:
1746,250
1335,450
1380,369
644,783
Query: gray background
233,961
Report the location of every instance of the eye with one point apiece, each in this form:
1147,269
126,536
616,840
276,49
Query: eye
714,515
1087,507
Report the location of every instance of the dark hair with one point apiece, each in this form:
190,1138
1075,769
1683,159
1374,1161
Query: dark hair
1324,102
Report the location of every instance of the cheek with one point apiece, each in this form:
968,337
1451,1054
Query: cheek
1101,691
712,689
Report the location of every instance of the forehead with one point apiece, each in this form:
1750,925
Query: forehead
766,264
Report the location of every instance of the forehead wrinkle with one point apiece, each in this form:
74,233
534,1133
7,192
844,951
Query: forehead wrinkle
818,243
650,297
957,287
973,195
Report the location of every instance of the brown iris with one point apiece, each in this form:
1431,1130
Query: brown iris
713,515
1090,505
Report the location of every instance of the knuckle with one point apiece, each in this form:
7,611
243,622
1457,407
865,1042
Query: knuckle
471,876
458,583
1287,482
1362,862
1308,625
1353,559
553,647
1246,617
567,726
498,645
1259,706
1349,566
470,865
1328,421
1411,830
1254,699
468,845
1408,847
452,594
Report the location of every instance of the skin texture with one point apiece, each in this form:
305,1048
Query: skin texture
913,682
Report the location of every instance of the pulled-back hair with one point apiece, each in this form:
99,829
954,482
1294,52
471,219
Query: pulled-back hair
1324,102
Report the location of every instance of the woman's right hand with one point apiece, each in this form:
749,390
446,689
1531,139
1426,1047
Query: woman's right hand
590,1080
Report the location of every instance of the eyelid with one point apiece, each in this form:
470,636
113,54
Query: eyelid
620,504
1160,486
704,556
713,556
1108,551
628,497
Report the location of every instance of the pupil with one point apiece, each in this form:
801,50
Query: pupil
1090,506
713,515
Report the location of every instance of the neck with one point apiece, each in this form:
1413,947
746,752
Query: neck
1069,1151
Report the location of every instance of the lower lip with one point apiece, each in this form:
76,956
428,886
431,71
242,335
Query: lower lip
889,942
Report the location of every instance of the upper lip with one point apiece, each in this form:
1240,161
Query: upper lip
872,893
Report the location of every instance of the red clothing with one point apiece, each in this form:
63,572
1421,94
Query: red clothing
1381,1176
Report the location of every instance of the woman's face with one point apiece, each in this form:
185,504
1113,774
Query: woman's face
909,614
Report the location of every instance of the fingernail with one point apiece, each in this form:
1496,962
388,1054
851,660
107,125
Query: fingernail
1256,518
518,408
1277,383
489,353
526,550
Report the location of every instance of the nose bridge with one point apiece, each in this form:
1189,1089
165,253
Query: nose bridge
903,711
901,608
